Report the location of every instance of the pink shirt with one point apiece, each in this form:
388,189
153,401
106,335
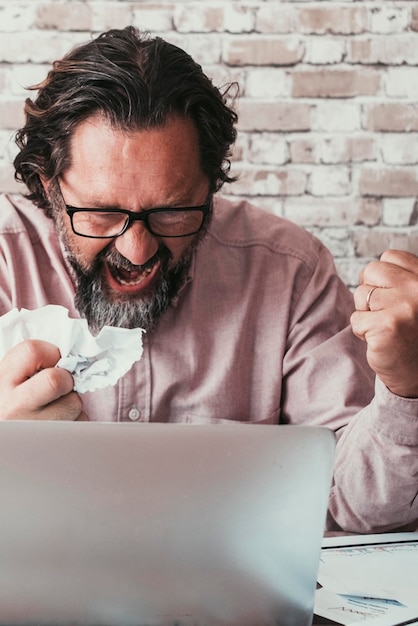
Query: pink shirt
259,333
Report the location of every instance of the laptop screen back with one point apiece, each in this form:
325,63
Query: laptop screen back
162,524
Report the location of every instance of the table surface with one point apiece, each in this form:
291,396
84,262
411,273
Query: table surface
323,621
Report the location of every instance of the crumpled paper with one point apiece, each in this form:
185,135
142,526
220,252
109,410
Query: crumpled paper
94,362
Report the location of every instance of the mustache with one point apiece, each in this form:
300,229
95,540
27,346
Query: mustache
113,257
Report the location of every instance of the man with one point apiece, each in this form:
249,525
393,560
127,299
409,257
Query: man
124,149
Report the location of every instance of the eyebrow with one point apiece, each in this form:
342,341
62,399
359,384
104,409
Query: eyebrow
93,204
113,207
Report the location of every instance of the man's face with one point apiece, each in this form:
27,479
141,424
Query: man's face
131,279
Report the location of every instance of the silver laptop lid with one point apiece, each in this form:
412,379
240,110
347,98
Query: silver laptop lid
162,524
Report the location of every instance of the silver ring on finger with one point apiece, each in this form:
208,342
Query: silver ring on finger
368,297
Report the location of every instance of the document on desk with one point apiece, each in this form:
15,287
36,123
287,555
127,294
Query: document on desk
369,579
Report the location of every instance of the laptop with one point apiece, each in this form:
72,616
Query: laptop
105,524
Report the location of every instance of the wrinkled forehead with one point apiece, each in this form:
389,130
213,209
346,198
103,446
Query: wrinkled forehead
111,161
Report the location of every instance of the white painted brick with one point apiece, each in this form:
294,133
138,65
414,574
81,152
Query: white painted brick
238,18
264,115
11,112
153,17
24,76
17,16
275,17
388,18
222,76
330,181
349,270
304,149
7,181
399,211
263,51
41,47
388,181
402,82
375,242
195,17
110,15
63,16
271,182
268,148
267,83
8,148
205,49
337,240
343,149
240,148
331,211
336,116
393,50
400,149
333,149
325,51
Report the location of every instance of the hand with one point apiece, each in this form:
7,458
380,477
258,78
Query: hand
386,317
32,388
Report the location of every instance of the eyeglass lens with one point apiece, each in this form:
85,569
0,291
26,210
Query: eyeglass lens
170,223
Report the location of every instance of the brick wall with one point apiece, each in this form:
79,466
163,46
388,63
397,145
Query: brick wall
328,107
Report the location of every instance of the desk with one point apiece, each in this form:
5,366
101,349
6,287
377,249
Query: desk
376,564
323,621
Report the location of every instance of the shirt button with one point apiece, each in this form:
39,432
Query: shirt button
134,413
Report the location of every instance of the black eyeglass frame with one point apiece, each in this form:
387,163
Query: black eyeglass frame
142,216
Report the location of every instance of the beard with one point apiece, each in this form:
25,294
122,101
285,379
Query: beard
101,307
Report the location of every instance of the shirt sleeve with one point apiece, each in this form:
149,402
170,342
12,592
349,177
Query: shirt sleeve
327,381
376,471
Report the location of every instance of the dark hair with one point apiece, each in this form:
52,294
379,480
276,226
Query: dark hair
136,82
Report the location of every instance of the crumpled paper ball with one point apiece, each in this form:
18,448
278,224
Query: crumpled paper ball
94,362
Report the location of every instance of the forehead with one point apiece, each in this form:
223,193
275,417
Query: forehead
104,157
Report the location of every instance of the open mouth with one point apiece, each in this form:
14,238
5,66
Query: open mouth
129,281
126,277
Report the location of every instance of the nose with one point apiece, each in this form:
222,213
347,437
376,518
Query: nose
137,244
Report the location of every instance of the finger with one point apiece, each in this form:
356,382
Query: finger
368,326
372,298
82,417
361,323
390,320
360,297
68,407
394,268
45,387
27,358
402,259
375,273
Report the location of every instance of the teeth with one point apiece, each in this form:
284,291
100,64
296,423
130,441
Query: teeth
131,282
135,280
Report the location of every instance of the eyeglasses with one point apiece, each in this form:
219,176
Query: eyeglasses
110,223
